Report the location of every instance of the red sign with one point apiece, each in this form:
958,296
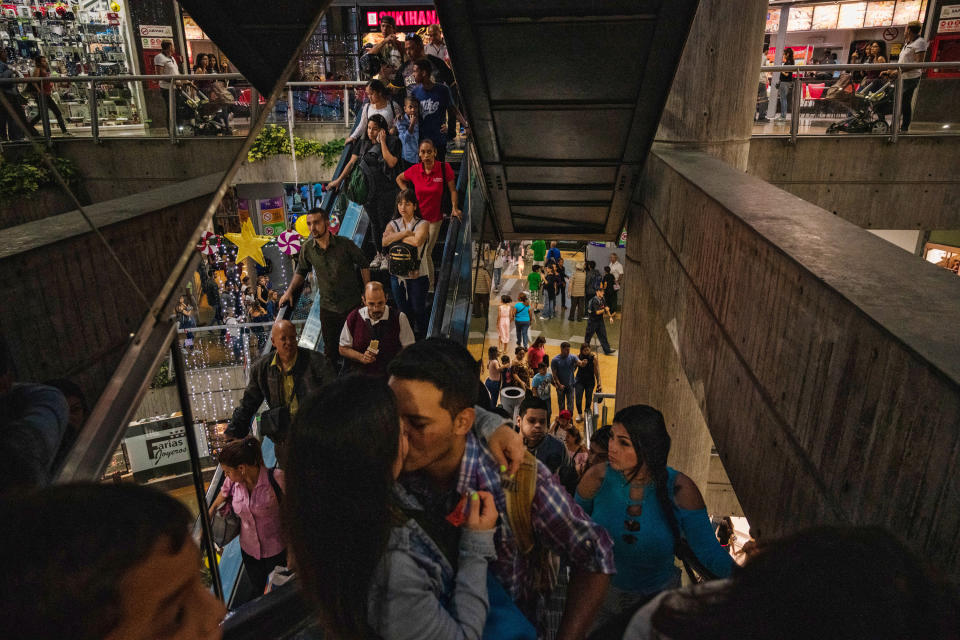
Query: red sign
415,18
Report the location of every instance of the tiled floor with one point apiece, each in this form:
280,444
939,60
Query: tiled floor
556,330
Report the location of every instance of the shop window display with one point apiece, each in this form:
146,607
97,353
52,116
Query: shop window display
75,41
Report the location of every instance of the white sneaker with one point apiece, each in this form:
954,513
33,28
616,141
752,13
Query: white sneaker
377,262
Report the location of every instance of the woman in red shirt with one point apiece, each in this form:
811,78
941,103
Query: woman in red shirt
427,179
536,353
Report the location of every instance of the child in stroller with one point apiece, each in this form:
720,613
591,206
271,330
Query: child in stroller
197,115
873,102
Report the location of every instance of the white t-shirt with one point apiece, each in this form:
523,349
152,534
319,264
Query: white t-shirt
389,112
913,52
165,66
616,269
406,333
437,50
499,261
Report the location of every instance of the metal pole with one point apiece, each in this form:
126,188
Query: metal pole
795,107
180,371
603,415
897,108
346,106
94,119
254,105
172,111
44,116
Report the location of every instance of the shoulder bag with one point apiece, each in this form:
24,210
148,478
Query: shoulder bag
225,524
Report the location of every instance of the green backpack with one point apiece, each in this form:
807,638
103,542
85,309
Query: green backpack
357,188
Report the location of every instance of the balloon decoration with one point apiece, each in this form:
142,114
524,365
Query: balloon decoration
209,243
249,244
301,226
115,6
289,242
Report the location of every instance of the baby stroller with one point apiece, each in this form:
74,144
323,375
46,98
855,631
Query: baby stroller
197,115
876,101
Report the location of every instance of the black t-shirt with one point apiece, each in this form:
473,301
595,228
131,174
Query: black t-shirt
586,374
595,304
608,282
552,285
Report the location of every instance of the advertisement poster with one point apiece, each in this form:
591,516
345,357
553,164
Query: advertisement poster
801,18
851,15
271,217
162,448
825,16
907,10
773,21
879,14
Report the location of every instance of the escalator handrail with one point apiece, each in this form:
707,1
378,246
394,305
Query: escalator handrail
450,246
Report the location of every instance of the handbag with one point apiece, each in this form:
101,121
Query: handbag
225,525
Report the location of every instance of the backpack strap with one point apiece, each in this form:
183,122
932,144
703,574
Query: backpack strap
276,486
520,496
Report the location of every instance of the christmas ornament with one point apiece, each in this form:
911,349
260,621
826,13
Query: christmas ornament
209,242
249,244
301,226
289,242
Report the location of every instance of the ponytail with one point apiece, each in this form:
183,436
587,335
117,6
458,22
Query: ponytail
245,451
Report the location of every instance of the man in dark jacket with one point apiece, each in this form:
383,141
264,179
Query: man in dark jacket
284,378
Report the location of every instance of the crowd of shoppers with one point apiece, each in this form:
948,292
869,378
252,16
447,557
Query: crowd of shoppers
418,513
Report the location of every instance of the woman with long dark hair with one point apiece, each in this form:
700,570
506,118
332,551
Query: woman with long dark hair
646,507
378,157
785,88
429,179
364,559
254,493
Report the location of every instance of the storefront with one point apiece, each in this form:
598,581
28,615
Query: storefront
817,30
93,40
198,42
409,20
943,249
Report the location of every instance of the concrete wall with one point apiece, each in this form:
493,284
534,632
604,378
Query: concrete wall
817,354
913,184
119,167
72,312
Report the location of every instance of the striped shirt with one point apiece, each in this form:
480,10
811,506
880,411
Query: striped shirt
558,522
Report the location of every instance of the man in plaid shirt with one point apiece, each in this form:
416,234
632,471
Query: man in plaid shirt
436,385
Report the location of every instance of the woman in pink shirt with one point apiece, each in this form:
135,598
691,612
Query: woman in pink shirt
254,493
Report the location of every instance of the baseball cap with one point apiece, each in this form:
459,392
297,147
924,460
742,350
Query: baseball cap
566,415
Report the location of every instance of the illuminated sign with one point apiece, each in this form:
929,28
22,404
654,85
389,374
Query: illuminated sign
405,18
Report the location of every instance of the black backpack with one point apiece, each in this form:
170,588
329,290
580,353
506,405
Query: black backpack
402,258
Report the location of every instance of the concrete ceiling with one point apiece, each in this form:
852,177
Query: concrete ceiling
564,98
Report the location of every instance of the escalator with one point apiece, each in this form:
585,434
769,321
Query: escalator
449,317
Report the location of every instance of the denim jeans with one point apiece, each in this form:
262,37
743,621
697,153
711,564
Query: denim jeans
784,91
522,339
410,296
497,272
565,398
549,308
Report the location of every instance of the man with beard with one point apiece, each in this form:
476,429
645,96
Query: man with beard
373,334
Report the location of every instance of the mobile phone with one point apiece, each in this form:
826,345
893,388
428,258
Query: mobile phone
374,346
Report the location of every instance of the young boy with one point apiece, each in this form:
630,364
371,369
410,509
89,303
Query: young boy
534,280
541,384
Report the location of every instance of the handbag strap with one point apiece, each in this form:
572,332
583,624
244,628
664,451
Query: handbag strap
276,486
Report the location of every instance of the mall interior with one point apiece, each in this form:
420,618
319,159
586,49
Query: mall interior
741,218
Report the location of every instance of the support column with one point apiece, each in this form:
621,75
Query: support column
710,108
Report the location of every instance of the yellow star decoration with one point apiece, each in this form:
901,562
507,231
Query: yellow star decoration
248,243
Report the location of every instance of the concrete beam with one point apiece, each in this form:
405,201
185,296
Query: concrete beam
821,358
913,184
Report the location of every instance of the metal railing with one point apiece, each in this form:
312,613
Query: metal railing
858,109
189,112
